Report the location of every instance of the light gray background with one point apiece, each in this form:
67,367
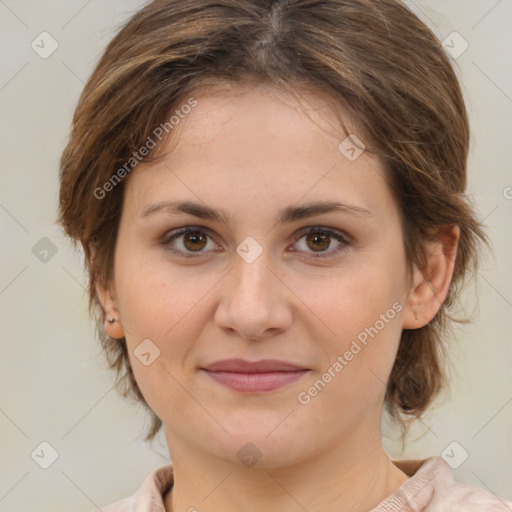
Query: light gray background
53,382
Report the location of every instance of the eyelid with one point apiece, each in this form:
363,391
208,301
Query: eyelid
323,229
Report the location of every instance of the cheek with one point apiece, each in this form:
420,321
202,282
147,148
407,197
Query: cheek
156,306
164,304
154,296
351,382
361,310
350,300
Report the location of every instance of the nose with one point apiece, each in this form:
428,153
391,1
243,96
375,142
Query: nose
254,301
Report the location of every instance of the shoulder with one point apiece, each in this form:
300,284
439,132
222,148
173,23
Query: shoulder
150,495
457,496
432,488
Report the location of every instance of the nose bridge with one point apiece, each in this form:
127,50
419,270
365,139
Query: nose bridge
252,282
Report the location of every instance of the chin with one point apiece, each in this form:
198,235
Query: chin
261,452
262,443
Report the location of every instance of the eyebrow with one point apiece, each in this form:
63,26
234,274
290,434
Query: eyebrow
286,215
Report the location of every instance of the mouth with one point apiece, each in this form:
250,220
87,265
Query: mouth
253,377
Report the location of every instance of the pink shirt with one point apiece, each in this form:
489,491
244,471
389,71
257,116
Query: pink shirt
430,488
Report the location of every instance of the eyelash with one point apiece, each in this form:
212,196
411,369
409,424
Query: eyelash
170,236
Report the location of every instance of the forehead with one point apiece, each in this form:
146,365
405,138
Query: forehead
264,143
252,113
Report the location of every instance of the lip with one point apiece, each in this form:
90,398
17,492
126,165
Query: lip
262,366
254,376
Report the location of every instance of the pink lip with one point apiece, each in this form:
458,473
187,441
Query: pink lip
264,375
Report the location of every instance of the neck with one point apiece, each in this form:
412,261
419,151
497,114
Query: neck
350,476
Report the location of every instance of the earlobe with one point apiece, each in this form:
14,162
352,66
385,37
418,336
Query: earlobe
430,286
112,320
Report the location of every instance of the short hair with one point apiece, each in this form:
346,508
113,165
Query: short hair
375,58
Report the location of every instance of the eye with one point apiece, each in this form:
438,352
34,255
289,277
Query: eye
319,239
193,240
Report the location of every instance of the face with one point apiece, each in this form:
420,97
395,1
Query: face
254,272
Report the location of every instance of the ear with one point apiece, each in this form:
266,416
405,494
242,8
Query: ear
430,286
107,298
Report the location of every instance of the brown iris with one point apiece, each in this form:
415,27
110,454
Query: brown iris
317,238
197,240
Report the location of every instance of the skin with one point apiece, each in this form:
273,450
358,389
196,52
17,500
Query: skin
251,151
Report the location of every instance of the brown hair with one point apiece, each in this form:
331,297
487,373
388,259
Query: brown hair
374,57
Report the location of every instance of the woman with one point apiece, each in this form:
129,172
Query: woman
270,198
